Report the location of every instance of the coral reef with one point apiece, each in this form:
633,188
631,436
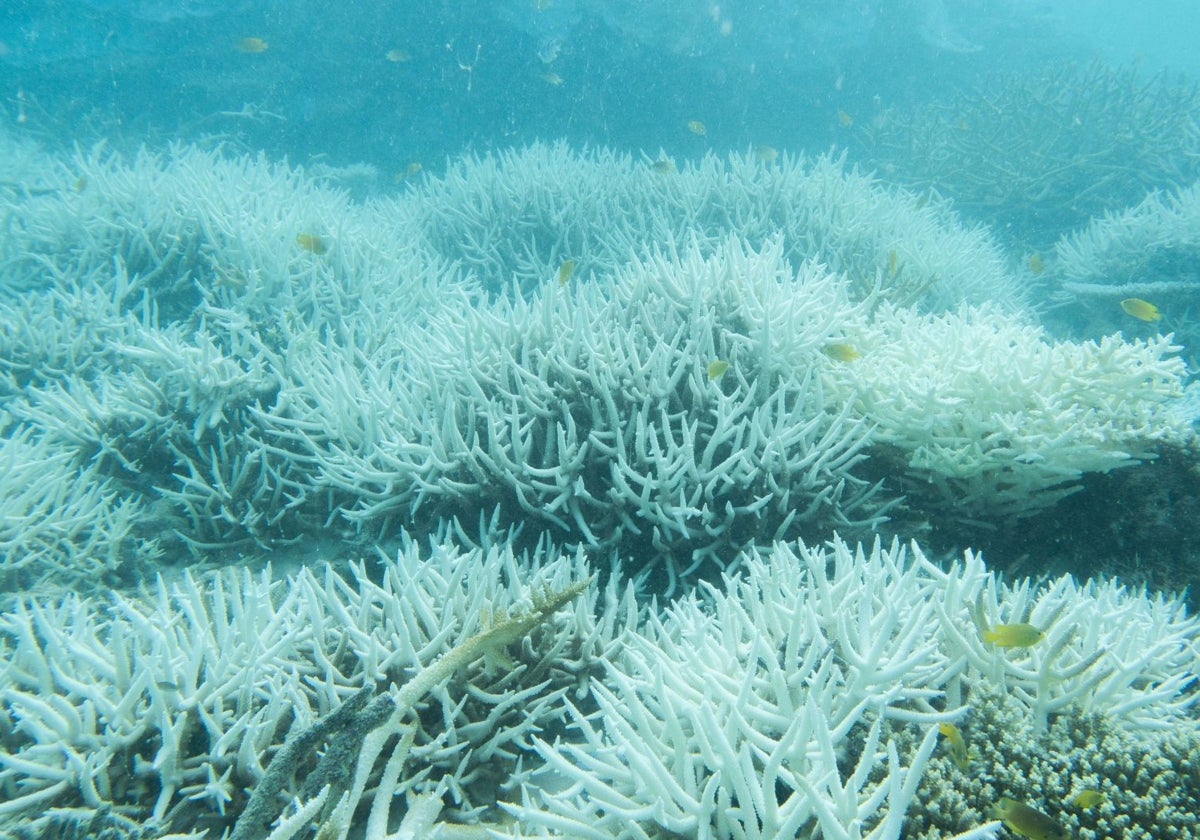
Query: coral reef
233,358
983,439
169,704
1037,156
238,358
1147,251
514,218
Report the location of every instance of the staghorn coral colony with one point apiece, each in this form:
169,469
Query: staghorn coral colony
579,477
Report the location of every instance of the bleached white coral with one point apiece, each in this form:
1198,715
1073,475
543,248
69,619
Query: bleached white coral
993,419
517,216
1148,250
60,522
761,709
590,410
173,702
802,693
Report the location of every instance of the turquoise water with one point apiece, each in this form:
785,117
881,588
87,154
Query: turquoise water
472,76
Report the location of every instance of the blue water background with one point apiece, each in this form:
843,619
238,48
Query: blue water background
391,83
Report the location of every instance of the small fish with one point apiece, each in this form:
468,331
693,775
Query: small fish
398,56
716,369
1143,310
963,125
565,271
845,119
956,743
411,171
663,166
251,46
696,127
840,351
1087,798
1013,635
1028,822
548,49
893,262
314,243
1036,265
765,154
552,79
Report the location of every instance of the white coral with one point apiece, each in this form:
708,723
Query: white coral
589,410
181,695
994,419
763,708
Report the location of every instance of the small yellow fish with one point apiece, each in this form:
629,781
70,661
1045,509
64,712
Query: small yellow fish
840,351
696,127
314,243
893,262
1013,635
845,119
1141,309
765,154
1036,265
1087,798
716,369
663,166
398,56
411,171
1028,822
956,743
251,46
552,79
565,271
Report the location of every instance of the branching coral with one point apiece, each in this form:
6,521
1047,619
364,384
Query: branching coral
590,411
516,217
804,695
990,419
1037,156
1148,251
171,704
801,694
